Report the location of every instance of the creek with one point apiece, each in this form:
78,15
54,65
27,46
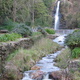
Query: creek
46,63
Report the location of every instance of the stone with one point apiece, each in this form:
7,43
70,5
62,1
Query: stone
55,75
60,41
4,31
37,75
35,67
60,75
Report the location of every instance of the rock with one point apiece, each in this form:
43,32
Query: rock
60,41
37,75
55,75
35,67
3,31
74,65
60,75
51,36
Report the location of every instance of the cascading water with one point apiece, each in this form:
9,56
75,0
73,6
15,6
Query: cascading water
56,25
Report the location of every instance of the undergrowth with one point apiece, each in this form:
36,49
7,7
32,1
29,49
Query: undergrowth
50,31
76,52
63,58
24,59
9,37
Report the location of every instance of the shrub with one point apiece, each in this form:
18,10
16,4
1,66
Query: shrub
36,33
9,24
9,37
50,31
22,29
77,30
39,29
63,58
73,40
76,52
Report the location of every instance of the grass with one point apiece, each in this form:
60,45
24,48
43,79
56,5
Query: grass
9,37
76,75
24,59
36,33
63,58
50,31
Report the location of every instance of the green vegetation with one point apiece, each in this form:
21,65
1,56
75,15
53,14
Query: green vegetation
36,33
23,30
50,31
76,75
77,30
73,40
30,12
9,37
63,58
39,29
72,19
24,59
76,52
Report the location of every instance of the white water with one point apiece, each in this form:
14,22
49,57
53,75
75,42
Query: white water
56,25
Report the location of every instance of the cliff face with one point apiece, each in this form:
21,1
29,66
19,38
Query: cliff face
70,9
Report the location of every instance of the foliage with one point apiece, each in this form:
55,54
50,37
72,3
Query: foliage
63,58
76,52
42,16
22,29
73,40
50,31
9,24
48,3
9,37
77,30
36,33
72,19
30,12
39,29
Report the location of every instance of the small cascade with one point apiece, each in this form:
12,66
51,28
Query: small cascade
46,77
56,25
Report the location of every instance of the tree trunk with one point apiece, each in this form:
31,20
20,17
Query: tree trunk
14,10
32,12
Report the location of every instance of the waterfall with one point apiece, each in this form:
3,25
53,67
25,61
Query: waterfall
56,25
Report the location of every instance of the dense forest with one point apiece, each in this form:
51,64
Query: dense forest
30,12
35,13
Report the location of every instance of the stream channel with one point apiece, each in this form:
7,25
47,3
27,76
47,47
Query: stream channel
46,63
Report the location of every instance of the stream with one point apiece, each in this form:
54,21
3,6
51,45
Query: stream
46,63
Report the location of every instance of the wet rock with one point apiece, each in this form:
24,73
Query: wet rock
36,67
60,41
60,75
38,75
55,75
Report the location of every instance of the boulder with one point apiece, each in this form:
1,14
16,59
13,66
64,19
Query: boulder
38,75
60,75
35,67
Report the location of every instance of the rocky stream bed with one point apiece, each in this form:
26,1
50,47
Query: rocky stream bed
45,69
